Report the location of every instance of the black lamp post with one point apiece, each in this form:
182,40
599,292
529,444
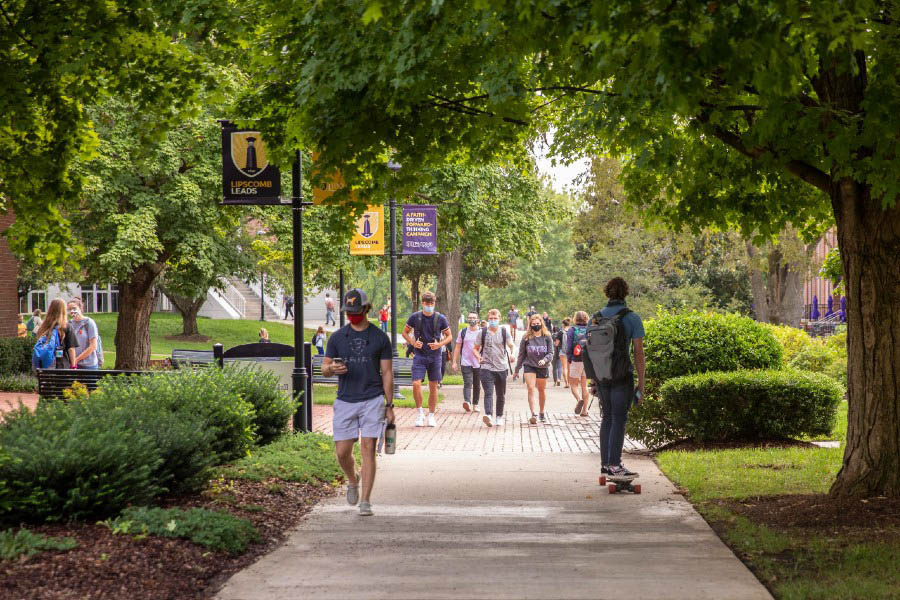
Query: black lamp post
262,287
394,167
298,375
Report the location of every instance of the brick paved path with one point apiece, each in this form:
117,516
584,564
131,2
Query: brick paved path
459,431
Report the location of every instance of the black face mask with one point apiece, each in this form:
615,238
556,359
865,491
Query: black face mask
535,327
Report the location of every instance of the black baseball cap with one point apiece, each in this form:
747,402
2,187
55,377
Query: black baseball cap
355,301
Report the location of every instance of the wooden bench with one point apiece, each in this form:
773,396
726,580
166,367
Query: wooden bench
402,371
52,382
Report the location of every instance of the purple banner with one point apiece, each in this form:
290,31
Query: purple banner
419,229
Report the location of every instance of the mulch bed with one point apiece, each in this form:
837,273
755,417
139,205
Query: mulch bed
822,514
117,566
690,445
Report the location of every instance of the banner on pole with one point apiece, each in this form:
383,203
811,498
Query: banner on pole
247,175
419,229
368,239
329,185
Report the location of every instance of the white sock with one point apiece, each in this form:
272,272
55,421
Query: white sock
421,410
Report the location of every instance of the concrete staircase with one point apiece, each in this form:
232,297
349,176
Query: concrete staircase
252,298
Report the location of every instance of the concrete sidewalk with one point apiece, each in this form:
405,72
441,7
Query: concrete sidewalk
462,524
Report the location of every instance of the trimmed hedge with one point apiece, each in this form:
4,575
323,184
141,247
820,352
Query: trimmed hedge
695,342
750,405
15,355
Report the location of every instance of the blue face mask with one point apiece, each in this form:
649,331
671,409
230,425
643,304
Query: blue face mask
493,322
427,309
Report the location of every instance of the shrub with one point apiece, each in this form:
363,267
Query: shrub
273,407
14,545
181,437
204,393
55,463
750,405
793,341
15,355
683,344
303,457
823,358
18,382
213,529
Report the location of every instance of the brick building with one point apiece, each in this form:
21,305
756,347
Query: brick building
9,301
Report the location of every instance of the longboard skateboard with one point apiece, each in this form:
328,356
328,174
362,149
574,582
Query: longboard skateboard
621,483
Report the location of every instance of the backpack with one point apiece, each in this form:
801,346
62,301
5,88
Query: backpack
580,335
606,348
418,326
44,352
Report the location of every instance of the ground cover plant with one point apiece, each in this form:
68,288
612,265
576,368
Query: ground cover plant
771,507
301,458
178,546
18,382
15,544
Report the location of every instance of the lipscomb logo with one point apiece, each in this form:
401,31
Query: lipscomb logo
248,153
357,345
351,301
367,225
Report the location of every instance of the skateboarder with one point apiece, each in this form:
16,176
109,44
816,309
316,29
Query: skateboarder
616,396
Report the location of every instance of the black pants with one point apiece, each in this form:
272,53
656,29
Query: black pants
489,381
288,310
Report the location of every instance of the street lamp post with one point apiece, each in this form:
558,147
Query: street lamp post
262,286
298,375
394,167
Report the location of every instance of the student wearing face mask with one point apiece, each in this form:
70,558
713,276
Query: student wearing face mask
536,354
88,350
471,368
427,331
492,352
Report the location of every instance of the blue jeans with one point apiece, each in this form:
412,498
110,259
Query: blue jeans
320,350
557,368
384,326
94,368
615,400
329,317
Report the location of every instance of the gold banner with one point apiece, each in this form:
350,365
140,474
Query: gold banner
331,184
368,239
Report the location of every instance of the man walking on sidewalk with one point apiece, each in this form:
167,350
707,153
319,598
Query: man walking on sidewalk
427,332
492,351
360,355
329,310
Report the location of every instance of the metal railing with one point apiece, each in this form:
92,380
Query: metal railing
235,298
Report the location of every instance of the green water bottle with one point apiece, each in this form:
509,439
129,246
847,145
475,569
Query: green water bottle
390,439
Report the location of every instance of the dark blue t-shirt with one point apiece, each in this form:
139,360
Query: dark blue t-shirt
634,327
428,331
362,352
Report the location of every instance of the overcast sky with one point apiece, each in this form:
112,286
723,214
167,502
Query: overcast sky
562,177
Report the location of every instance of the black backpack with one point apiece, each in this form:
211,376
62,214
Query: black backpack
606,355
418,326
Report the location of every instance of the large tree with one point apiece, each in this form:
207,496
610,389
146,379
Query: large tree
147,207
752,95
59,57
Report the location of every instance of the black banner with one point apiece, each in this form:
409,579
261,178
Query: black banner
247,175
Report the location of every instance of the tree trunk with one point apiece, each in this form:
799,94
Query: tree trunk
869,239
133,324
449,273
777,291
188,308
414,291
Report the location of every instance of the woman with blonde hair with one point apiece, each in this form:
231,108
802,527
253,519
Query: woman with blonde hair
536,354
574,349
56,320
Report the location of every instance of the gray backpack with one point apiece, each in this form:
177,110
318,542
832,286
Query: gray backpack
606,355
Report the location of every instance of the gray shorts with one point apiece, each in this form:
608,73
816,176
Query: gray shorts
352,419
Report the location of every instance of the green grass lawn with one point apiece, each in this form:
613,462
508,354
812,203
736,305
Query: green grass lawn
325,394
792,562
839,432
229,332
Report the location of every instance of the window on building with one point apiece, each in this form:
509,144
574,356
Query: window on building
87,298
114,298
38,300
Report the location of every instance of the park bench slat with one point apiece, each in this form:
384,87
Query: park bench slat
192,358
52,382
402,371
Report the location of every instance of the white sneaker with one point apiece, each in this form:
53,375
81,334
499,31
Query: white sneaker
431,421
365,509
488,420
476,408
500,421
420,420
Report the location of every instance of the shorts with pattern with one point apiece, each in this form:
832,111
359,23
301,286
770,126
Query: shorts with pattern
576,369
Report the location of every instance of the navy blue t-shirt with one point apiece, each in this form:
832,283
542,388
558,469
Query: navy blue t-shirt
362,352
429,331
